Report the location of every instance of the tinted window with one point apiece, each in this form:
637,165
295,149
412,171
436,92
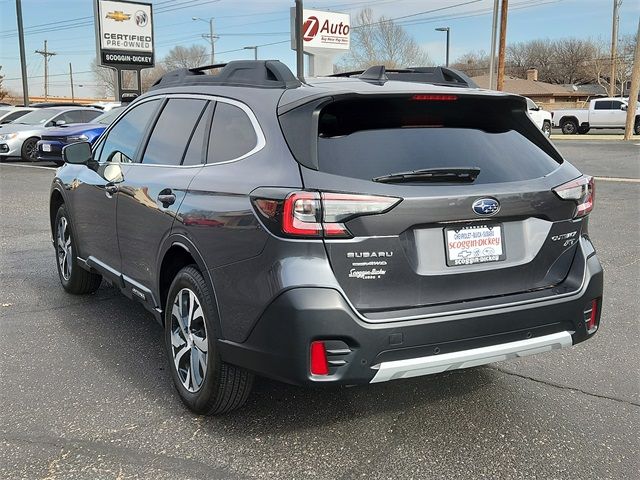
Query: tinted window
72,116
195,151
171,133
615,105
603,105
90,115
122,141
12,116
232,134
355,140
39,116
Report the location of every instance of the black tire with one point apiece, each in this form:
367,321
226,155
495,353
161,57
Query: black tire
570,127
636,127
58,163
29,151
583,130
74,279
220,387
546,128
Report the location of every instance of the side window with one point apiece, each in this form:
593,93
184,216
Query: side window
615,105
72,116
195,151
14,115
123,139
172,131
232,134
89,115
530,104
603,105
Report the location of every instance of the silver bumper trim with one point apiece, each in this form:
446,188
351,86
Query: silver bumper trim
414,367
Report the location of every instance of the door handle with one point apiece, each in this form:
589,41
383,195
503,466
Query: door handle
111,189
166,197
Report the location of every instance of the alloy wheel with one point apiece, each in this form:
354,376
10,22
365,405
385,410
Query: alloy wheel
189,342
63,245
31,149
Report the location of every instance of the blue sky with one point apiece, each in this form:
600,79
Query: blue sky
68,27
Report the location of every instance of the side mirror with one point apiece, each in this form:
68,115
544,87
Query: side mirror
59,123
77,153
623,107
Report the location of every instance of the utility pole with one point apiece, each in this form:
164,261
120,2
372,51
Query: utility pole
494,35
73,98
299,43
46,54
633,92
503,44
614,47
211,37
23,61
255,51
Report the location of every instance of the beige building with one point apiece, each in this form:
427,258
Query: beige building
548,95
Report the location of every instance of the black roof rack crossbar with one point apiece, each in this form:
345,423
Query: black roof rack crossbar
435,75
242,73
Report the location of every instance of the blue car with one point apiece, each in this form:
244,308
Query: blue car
50,146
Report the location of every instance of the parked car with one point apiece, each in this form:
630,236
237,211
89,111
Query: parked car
20,137
49,148
9,114
602,113
540,116
291,230
106,106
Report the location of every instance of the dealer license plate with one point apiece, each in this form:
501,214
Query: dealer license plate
473,244
46,147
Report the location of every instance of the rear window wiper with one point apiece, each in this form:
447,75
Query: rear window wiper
445,174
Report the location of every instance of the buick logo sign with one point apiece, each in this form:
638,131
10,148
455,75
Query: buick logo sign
141,18
486,206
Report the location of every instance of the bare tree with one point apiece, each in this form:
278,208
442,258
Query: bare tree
3,91
106,80
380,42
473,64
185,57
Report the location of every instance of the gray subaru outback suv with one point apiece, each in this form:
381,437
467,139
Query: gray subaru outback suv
334,231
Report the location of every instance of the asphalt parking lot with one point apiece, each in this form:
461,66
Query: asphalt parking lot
85,391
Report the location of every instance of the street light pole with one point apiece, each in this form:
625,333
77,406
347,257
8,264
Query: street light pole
255,51
448,30
23,61
211,37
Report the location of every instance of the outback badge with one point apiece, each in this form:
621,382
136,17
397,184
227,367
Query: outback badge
486,206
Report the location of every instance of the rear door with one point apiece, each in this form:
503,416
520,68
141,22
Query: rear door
155,186
447,240
601,113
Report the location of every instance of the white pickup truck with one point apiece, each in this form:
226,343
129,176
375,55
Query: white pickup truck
602,113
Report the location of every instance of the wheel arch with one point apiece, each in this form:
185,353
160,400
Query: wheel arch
56,200
176,253
568,118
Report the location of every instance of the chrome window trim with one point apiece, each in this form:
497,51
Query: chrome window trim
261,141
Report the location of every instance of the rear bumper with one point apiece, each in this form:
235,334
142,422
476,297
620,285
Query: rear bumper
362,352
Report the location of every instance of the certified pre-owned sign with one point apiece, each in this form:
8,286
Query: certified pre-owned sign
125,33
325,30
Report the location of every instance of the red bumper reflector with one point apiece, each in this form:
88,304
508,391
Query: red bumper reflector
593,317
319,364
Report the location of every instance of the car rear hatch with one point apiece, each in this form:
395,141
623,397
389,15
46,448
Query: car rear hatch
451,198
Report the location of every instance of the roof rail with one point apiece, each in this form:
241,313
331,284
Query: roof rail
240,73
436,75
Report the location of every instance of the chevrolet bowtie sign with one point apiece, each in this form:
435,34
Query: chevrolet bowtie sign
125,33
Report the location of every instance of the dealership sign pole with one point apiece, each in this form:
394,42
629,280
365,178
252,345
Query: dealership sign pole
124,42
324,35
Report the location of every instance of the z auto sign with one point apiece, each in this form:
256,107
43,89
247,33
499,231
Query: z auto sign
125,33
325,30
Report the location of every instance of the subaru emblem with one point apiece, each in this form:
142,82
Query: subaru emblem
486,206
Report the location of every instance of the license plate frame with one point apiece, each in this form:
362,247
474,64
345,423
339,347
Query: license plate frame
485,234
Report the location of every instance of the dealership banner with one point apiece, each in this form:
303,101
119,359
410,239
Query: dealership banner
124,33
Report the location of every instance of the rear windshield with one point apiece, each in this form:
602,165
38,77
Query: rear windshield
375,137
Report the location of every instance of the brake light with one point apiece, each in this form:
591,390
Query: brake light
319,214
318,364
434,98
582,191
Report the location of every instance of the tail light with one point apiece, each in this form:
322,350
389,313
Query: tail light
319,214
582,191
